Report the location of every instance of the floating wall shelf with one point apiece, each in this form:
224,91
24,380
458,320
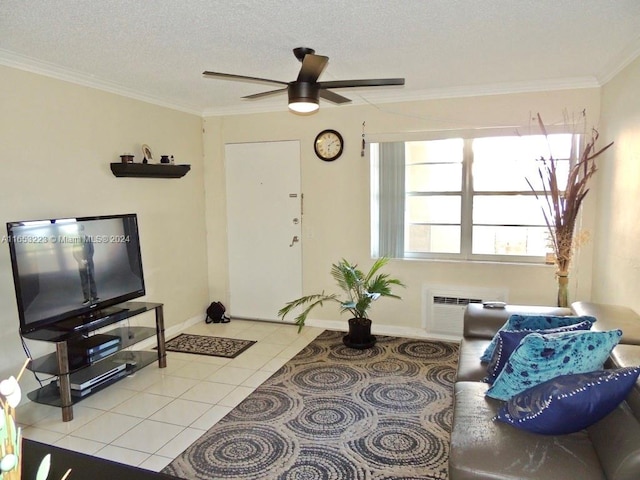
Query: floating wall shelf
149,170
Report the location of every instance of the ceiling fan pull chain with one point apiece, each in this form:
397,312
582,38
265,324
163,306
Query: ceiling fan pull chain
363,142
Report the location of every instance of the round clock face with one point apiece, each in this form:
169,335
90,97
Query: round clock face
328,145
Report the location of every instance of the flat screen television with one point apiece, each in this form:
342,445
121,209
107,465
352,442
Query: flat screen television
68,271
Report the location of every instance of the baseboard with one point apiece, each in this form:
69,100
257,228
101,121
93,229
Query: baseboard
377,329
339,325
169,332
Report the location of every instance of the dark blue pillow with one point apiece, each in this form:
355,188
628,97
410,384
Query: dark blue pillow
531,323
539,358
508,341
569,403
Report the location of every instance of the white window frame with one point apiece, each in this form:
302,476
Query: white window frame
467,195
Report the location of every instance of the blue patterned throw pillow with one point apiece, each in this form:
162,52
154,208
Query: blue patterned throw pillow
508,341
569,403
531,323
539,358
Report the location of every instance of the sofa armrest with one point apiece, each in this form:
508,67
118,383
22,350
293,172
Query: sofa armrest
482,448
628,356
469,367
482,322
616,439
611,317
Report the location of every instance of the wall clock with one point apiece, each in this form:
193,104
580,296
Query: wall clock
328,145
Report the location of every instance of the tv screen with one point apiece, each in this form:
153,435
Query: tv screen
71,268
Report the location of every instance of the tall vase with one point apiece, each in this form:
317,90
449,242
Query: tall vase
563,289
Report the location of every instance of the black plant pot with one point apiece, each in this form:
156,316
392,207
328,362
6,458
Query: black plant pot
359,335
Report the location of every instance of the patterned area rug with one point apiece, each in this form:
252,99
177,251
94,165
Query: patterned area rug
333,412
206,345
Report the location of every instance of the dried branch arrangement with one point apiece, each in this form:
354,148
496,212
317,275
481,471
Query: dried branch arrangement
563,206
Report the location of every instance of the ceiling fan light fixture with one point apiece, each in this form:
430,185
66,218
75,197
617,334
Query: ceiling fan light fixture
303,97
303,107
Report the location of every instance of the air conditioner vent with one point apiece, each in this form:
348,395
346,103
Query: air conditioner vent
444,305
454,300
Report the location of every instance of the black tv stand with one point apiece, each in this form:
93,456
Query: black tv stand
58,393
97,318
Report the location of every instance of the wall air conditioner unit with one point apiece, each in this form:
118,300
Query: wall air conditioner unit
444,305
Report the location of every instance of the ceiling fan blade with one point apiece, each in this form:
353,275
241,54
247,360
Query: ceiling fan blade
312,66
333,97
265,94
371,82
244,78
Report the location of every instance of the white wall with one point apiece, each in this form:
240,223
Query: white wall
58,138
617,256
56,141
336,195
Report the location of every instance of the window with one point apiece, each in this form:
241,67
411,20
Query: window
464,198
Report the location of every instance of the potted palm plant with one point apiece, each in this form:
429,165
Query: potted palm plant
360,290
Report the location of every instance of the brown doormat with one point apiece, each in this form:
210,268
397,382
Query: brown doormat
206,345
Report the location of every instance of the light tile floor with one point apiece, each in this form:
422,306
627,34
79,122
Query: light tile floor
148,419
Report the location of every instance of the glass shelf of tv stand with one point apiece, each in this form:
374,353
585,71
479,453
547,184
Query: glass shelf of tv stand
125,310
128,336
133,359
59,392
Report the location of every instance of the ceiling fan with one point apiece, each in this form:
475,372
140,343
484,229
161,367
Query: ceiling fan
304,92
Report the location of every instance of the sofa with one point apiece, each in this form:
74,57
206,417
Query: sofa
483,448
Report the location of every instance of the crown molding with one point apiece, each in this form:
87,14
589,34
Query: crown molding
399,96
489,89
47,69
613,68
391,95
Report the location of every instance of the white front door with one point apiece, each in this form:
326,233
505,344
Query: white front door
264,227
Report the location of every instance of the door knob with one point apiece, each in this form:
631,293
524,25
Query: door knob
294,240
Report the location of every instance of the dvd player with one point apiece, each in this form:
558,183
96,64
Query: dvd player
104,381
87,350
96,373
93,344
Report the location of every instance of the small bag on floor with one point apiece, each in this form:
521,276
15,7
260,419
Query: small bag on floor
216,313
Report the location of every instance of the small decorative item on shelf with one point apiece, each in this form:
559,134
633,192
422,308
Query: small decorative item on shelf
147,156
127,158
164,159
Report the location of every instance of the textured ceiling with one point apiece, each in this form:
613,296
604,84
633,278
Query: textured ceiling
157,50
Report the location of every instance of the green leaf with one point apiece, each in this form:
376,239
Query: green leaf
360,290
43,469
